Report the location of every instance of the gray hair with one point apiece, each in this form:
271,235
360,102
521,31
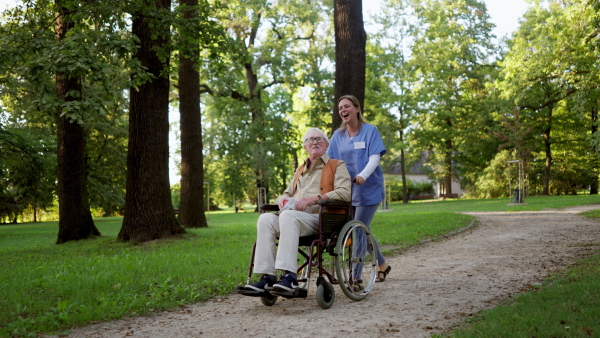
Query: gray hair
317,130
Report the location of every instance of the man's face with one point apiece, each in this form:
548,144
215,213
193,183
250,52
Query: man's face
315,145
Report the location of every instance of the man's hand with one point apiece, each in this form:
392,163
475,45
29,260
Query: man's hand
282,202
304,203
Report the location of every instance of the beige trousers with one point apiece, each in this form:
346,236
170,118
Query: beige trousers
289,226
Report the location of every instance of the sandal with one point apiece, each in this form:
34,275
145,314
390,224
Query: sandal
382,274
355,285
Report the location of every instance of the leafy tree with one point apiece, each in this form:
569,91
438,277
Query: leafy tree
106,153
452,45
26,172
314,73
251,89
553,42
389,103
31,58
149,213
495,178
75,219
191,210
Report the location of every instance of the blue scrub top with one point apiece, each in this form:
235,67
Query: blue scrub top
355,152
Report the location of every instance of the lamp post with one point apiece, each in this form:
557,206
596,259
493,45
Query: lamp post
518,193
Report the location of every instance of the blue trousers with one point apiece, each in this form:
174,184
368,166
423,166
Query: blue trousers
365,214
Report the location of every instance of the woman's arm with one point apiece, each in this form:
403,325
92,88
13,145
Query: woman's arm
369,168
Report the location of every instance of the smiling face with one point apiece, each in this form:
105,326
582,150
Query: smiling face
348,111
315,149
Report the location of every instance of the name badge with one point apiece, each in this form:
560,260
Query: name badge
359,145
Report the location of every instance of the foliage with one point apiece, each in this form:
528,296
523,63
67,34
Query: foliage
452,44
552,57
495,179
389,103
253,143
94,51
414,189
435,81
26,172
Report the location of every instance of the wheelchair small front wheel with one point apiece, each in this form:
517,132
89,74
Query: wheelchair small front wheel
268,300
325,294
356,260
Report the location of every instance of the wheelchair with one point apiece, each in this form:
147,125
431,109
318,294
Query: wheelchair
352,251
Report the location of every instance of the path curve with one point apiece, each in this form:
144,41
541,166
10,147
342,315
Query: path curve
431,288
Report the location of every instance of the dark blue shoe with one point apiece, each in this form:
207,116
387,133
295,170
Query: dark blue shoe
287,283
265,283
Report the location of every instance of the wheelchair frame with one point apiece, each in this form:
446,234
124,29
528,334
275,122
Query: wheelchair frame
356,250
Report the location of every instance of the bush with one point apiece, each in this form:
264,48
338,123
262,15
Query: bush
494,181
414,189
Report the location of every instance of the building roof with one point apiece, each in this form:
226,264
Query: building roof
417,167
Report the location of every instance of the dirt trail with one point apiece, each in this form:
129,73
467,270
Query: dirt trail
431,288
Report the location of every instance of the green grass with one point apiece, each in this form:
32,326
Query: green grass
567,305
51,288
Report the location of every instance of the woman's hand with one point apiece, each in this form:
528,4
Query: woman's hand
359,180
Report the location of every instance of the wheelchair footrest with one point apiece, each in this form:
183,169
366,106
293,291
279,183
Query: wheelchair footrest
240,290
297,293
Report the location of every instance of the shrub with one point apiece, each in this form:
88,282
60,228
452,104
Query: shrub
414,189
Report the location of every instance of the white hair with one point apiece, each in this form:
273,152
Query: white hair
317,130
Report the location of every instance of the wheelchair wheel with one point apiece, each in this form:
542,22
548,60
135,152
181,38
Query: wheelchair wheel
268,300
325,294
356,260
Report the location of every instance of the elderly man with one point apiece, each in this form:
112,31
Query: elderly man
319,178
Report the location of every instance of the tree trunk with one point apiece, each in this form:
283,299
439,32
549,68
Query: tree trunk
594,183
75,219
191,209
149,213
258,150
448,165
548,150
350,59
404,185
405,196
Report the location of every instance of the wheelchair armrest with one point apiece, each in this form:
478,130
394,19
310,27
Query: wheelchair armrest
269,207
333,203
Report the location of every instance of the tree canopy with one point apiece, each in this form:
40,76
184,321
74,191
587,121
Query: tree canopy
436,80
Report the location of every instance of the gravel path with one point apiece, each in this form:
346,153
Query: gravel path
430,289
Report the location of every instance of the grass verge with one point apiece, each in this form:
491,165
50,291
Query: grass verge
566,305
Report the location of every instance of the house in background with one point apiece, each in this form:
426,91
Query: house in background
418,172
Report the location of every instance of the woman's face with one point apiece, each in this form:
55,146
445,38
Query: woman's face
348,112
